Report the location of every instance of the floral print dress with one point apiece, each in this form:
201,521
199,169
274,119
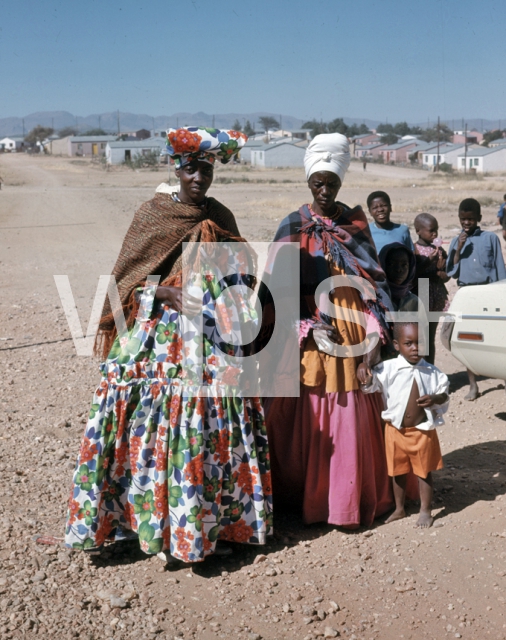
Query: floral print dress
179,467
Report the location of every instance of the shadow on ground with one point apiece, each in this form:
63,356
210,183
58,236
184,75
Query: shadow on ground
471,474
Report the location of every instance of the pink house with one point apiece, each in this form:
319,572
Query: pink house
473,137
364,139
372,150
398,152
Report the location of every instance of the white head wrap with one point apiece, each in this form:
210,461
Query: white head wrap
327,152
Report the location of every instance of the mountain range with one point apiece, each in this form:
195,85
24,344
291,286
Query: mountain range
135,121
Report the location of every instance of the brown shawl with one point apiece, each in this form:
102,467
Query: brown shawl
153,245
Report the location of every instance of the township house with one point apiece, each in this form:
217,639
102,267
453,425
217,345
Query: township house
482,159
120,151
448,153
12,144
368,151
364,139
281,154
399,151
473,137
88,146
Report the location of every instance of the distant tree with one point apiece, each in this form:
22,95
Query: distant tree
237,126
357,130
489,136
389,138
338,126
96,132
268,122
67,131
385,128
38,134
316,127
402,129
431,135
248,129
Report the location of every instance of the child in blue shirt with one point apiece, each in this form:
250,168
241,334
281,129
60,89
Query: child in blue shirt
383,230
474,257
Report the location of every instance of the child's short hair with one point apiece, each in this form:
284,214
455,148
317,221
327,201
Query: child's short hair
504,197
423,219
378,194
399,326
470,205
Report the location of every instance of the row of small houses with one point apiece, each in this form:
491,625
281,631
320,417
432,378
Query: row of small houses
476,158
289,152
115,151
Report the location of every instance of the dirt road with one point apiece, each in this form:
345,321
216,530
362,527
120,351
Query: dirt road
59,216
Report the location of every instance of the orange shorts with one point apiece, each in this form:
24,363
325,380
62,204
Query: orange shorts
411,449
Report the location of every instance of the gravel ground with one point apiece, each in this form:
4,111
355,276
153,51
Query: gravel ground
387,582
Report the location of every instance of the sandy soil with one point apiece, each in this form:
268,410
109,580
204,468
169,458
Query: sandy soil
62,216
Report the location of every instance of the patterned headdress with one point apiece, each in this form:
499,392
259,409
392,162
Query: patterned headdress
198,143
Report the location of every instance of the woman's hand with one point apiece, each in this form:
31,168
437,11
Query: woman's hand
329,329
175,298
364,374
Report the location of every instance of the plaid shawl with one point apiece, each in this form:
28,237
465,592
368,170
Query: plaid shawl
153,245
347,241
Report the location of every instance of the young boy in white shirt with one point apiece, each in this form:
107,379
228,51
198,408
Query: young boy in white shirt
415,394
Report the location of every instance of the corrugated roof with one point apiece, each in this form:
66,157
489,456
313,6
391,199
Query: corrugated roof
137,144
481,151
399,145
372,145
93,138
270,147
445,148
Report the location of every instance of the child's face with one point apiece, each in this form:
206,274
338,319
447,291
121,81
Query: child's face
397,266
428,232
380,210
407,343
469,221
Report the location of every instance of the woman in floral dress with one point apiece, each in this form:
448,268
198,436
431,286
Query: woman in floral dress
165,454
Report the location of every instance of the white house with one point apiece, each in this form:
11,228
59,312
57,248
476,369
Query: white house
283,154
448,153
12,143
483,159
251,144
119,152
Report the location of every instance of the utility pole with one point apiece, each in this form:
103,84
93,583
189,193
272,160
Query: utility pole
438,136
465,149
119,130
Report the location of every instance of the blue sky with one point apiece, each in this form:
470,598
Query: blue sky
395,59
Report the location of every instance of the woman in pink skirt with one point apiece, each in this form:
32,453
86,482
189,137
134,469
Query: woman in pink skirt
326,446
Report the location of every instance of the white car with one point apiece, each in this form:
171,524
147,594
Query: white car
474,329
